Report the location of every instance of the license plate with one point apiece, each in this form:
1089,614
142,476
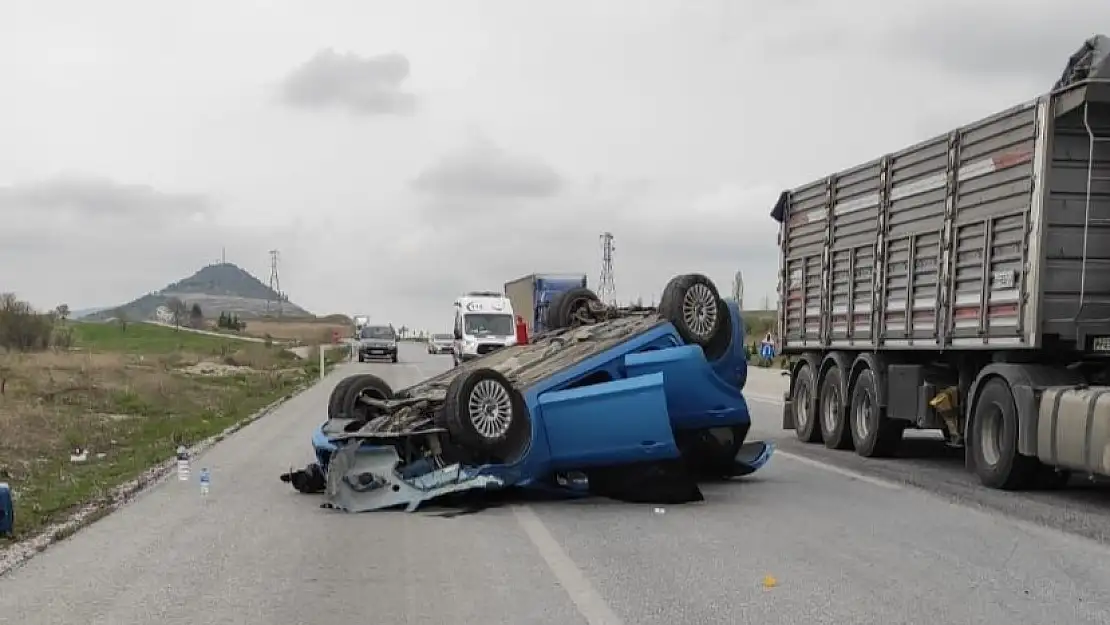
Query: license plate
1101,344
376,351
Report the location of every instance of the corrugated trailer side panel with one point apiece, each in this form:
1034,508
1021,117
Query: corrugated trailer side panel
921,244
803,247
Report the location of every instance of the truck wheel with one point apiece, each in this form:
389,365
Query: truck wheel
692,304
997,461
361,358
805,422
365,385
571,308
483,412
335,400
834,427
873,434
394,359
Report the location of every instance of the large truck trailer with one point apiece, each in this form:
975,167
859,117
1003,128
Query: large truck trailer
962,284
532,294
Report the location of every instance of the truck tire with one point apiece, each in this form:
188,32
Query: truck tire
805,422
484,413
835,431
692,304
570,308
873,434
368,385
394,358
995,434
338,394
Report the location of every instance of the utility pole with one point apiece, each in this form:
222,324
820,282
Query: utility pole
275,283
607,288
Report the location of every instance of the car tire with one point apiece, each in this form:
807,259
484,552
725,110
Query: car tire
483,412
338,394
995,434
564,309
831,407
874,435
368,385
692,304
805,421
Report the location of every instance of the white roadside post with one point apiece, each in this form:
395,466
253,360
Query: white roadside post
322,361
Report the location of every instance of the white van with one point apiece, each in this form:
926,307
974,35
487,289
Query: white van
484,322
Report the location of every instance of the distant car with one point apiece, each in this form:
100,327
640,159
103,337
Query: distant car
377,342
440,344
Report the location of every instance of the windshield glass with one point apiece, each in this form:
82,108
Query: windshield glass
377,332
441,337
489,324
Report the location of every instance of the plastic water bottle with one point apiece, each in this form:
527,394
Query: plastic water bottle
182,464
205,482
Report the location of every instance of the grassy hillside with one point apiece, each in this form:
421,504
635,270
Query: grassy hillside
128,396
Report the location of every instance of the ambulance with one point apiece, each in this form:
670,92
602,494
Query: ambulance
484,323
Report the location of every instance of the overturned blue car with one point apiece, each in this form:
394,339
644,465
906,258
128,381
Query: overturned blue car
632,404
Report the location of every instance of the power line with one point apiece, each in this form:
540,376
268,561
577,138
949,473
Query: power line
607,288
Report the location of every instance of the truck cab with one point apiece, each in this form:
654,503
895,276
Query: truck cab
484,323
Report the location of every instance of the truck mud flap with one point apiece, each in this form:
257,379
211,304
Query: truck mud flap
361,479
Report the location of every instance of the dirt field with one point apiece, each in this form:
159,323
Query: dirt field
126,398
308,332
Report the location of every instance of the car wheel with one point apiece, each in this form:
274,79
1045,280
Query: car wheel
483,412
365,385
805,422
571,308
834,426
692,304
874,435
997,461
338,394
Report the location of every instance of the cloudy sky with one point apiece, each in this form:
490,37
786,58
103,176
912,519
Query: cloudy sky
399,153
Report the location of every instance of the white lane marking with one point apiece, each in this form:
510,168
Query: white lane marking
766,399
855,475
588,601
818,464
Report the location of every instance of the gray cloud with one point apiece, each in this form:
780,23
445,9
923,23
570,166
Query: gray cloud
481,169
659,231
362,85
985,42
95,241
100,197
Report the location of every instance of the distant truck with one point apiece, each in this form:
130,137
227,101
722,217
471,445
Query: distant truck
532,294
962,284
484,323
360,322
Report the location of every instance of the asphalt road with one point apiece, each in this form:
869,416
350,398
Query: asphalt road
844,543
